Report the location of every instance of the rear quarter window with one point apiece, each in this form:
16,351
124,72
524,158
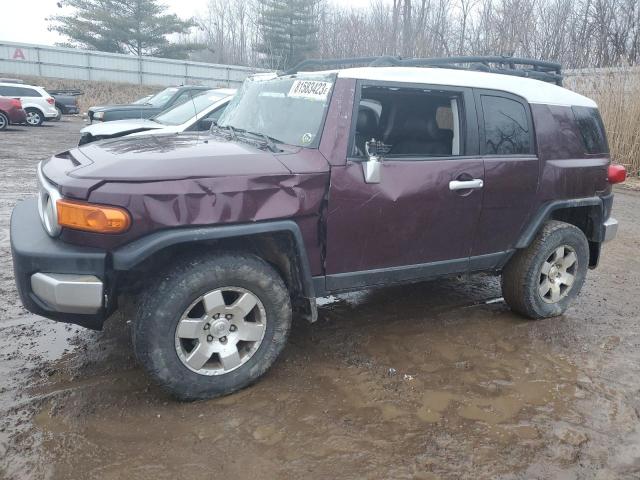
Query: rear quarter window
591,129
506,127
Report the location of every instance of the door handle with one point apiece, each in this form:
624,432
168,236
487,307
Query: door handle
466,184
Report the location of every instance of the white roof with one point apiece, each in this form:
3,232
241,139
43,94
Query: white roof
534,91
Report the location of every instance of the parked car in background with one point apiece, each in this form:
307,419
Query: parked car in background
37,103
154,105
197,114
11,112
66,101
144,99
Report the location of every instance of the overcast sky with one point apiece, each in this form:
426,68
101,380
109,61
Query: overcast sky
24,20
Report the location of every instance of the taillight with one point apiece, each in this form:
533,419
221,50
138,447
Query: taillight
51,101
616,174
15,102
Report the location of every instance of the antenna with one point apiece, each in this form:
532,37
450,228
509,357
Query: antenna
195,114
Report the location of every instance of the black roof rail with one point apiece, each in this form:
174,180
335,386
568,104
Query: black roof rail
520,67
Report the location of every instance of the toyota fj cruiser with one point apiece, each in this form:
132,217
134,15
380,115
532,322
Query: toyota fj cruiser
314,183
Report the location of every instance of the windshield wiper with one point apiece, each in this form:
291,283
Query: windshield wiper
226,128
269,141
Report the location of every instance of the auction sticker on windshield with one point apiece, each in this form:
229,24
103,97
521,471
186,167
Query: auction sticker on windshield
312,89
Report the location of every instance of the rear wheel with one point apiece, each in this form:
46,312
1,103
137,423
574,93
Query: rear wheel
543,279
4,121
212,325
34,117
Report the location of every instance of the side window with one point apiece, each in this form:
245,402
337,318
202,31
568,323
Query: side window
7,91
591,129
506,127
410,122
26,92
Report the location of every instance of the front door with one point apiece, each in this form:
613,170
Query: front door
420,219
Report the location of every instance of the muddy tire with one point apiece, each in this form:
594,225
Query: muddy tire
543,279
212,325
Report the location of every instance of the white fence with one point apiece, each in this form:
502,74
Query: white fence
57,62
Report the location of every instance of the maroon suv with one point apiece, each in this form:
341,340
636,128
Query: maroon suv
314,183
11,112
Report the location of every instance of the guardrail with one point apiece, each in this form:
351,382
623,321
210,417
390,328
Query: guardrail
61,62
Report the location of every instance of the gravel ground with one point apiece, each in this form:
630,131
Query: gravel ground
434,380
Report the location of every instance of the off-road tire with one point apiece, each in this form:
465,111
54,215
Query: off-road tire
32,113
4,121
521,277
162,305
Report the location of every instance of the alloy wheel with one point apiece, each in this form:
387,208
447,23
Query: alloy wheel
557,274
3,122
220,331
33,118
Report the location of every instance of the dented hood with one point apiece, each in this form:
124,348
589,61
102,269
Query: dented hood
171,157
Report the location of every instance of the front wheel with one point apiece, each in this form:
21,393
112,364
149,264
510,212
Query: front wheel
212,325
543,279
4,121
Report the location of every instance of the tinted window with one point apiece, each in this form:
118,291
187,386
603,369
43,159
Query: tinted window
506,127
8,91
592,129
26,92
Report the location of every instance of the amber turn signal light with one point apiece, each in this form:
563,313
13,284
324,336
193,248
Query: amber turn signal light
92,218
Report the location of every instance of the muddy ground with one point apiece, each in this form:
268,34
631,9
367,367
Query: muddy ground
434,380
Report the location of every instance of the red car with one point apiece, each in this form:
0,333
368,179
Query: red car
11,112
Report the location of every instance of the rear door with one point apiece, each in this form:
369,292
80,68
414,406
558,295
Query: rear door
419,221
507,145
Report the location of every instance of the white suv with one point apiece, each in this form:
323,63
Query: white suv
38,104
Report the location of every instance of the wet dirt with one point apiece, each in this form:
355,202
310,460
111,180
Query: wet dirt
433,380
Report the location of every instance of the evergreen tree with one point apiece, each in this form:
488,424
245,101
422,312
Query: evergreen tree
139,27
288,31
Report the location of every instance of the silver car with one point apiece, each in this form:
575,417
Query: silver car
195,114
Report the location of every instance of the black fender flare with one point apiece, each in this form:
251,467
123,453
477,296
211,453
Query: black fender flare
128,256
545,212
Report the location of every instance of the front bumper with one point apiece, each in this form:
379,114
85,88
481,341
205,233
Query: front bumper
57,280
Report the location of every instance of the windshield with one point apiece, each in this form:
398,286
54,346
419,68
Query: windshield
162,97
290,110
179,114
142,100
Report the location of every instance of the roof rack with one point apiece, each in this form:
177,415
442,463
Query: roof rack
519,67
